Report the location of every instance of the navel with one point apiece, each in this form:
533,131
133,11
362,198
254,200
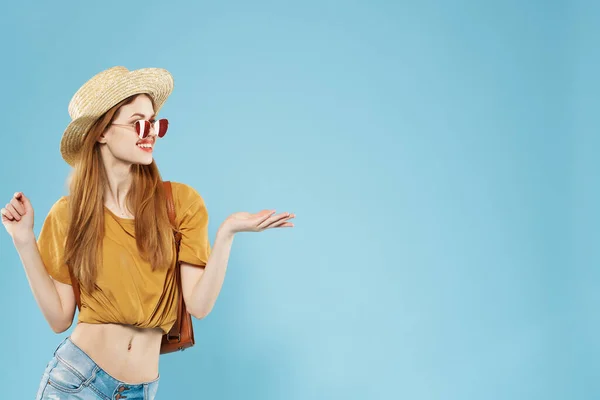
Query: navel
129,346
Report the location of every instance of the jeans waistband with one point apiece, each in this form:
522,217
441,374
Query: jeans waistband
79,360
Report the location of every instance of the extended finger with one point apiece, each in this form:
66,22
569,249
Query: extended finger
273,219
265,217
281,224
283,221
14,212
18,206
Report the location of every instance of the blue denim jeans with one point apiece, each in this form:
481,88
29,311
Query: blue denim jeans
72,374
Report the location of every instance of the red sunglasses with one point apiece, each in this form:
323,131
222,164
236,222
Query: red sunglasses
142,127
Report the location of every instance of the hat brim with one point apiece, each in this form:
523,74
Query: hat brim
156,82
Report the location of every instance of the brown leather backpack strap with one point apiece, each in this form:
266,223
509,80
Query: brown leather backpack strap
171,213
170,202
175,331
75,285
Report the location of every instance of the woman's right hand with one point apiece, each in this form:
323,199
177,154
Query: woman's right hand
17,218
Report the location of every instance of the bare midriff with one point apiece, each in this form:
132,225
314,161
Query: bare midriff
125,352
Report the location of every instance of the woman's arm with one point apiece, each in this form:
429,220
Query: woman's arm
55,299
201,286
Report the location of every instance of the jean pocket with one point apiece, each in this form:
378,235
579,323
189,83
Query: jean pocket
65,378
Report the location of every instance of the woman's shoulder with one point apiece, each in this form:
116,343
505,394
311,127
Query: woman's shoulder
184,189
58,214
185,195
60,206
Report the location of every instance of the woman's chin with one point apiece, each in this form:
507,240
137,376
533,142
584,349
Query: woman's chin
147,161
144,159
140,161
136,158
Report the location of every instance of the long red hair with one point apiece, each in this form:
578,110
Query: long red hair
146,200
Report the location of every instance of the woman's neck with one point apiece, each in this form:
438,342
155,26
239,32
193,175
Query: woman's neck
118,185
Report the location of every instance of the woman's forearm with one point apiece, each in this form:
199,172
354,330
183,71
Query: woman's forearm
208,287
42,286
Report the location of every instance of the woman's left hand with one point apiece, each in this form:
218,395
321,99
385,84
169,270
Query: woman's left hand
266,219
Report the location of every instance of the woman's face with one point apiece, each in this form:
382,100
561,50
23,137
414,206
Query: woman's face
121,141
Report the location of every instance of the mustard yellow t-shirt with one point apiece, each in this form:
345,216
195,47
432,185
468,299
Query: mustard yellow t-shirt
128,291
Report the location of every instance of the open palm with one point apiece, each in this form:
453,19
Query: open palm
265,219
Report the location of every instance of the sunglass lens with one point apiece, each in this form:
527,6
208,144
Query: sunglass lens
161,127
142,128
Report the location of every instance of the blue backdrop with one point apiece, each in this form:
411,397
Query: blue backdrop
440,158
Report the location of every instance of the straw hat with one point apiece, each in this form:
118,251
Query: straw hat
102,92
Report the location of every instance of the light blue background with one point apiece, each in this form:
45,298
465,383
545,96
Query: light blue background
440,158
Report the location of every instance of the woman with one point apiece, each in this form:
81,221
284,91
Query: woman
114,233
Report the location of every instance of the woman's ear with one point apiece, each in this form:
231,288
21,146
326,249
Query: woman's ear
102,138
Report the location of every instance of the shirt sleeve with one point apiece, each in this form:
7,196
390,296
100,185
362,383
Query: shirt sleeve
51,242
193,223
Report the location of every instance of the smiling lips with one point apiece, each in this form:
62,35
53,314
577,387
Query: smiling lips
146,145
